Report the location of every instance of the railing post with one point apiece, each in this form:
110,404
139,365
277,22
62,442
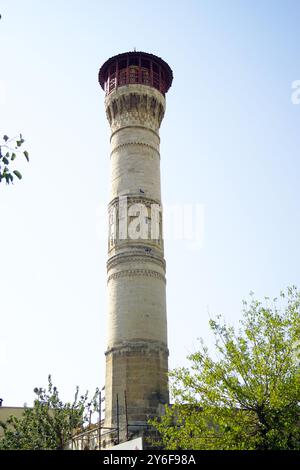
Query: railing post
108,82
127,70
151,73
159,78
140,70
117,74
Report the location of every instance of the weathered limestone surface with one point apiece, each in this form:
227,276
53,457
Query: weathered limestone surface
137,354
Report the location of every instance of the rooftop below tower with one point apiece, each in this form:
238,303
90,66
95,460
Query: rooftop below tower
135,68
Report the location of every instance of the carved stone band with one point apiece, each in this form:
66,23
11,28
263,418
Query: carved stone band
139,346
137,272
134,127
119,105
137,257
134,199
134,143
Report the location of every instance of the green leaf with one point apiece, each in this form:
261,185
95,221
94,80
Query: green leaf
5,138
4,159
8,178
26,155
13,156
18,174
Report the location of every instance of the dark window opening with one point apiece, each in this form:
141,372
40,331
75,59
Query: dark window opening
122,64
145,63
133,61
155,67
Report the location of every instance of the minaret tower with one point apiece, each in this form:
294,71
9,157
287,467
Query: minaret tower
136,384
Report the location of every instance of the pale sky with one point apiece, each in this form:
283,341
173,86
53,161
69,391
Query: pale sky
230,143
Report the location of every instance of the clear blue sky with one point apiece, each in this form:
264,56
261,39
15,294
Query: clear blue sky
230,141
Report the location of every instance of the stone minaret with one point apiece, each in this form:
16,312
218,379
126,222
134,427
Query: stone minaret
135,84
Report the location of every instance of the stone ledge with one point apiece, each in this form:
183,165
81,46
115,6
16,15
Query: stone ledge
136,126
137,272
145,347
132,198
134,143
136,257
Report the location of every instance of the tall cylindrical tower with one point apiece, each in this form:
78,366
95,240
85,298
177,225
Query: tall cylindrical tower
135,85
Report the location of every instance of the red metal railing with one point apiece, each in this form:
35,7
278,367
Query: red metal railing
134,75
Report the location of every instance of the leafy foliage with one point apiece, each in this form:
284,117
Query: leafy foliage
10,148
50,424
248,397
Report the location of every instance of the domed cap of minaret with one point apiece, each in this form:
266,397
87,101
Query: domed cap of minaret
135,67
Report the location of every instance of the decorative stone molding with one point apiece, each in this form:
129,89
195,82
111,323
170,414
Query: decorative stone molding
139,346
135,257
135,107
125,144
137,272
134,127
152,235
134,199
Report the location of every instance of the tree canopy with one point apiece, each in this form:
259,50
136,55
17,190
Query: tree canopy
50,423
246,395
10,148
